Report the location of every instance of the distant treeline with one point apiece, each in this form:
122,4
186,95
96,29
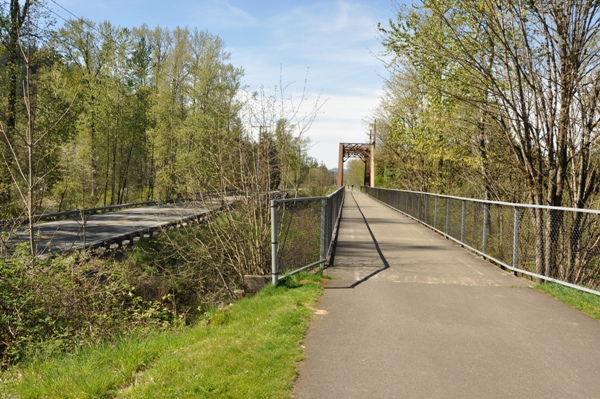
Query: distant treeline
94,114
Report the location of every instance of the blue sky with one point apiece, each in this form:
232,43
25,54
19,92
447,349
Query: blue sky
335,40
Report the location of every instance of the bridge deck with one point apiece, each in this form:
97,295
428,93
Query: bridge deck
409,314
69,234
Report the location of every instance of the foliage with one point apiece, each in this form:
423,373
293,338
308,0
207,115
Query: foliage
319,179
189,277
497,100
54,305
116,115
97,114
356,173
250,349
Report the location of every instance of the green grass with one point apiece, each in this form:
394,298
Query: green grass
585,302
248,350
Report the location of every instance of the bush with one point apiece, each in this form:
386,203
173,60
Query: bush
186,270
55,305
50,306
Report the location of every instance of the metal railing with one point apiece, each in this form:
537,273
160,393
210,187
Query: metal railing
560,245
16,234
303,231
78,213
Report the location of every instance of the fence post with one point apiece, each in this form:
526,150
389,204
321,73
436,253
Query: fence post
274,244
426,211
435,212
448,216
515,260
486,221
462,221
323,251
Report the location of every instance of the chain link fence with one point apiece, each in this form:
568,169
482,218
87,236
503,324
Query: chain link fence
561,245
303,232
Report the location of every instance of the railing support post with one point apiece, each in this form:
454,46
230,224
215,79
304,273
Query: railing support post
515,259
462,221
324,246
274,244
435,212
486,222
448,216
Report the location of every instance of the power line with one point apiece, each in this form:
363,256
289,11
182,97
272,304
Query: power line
80,19
90,25
66,10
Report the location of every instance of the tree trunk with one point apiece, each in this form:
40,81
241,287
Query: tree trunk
17,17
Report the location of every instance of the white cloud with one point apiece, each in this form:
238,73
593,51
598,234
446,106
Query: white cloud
217,15
336,40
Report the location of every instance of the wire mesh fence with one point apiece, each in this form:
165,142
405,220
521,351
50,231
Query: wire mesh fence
303,232
547,243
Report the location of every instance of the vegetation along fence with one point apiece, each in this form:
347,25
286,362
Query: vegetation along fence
303,232
561,245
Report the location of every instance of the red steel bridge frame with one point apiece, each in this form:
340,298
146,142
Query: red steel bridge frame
363,151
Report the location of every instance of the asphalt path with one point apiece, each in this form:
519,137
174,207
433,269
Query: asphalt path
409,314
70,234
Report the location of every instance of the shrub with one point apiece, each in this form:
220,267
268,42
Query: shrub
54,305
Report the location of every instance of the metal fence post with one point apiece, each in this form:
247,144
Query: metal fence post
462,221
515,259
435,213
426,211
274,244
486,221
323,252
448,216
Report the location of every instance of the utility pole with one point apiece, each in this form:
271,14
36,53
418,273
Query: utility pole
373,132
258,174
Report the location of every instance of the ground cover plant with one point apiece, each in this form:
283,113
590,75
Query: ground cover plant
50,306
248,349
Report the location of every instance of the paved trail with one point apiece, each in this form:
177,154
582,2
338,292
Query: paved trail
409,314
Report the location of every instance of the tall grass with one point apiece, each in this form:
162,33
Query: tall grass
249,349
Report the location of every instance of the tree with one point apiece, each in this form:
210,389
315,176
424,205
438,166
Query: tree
31,152
356,173
531,70
320,179
19,26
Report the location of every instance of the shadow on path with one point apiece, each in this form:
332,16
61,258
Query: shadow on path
386,265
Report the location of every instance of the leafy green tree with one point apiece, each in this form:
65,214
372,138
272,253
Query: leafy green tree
320,179
527,73
13,18
356,173
21,27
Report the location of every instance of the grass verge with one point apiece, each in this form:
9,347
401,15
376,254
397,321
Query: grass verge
585,302
249,349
